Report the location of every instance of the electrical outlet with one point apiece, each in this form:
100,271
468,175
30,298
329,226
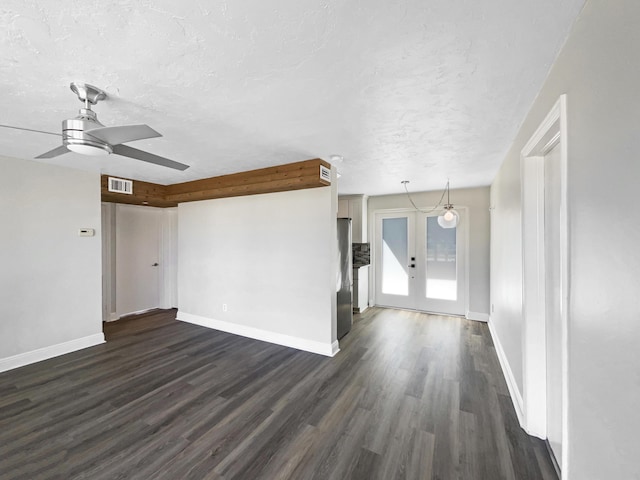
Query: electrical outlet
493,308
224,307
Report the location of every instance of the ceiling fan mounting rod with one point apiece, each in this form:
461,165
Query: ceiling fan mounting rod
88,94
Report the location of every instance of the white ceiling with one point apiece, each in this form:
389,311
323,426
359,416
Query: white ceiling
415,89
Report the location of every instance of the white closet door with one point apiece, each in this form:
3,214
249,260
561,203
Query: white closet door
138,233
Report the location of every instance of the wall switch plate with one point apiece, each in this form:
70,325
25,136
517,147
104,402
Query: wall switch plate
86,232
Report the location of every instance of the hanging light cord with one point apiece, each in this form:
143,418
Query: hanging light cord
404,182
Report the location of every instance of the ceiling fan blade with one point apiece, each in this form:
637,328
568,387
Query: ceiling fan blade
130,152
122,134
31,130
61,150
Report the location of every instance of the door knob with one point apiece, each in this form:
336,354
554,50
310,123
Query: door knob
155,264
413,265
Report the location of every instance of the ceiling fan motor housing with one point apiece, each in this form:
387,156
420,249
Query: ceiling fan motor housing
73,131
85,135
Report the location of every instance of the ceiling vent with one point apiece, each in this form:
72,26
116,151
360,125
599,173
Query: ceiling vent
120,185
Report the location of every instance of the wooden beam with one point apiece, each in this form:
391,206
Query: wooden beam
144,193
292,176
281,178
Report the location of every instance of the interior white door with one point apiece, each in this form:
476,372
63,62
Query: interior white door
553,306
418,264
138,233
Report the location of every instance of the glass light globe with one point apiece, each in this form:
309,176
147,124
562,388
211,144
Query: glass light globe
449,219
88,150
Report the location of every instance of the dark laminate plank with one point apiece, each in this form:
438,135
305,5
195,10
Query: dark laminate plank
206,453
446,453
367,464
287,458
140,461
419,373
328,432
420,457
524,460
410,396
396,448
386,411
342,457
64,412
470,457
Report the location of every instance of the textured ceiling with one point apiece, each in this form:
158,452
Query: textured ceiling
415,89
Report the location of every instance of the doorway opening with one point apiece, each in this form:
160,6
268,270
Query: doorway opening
139,256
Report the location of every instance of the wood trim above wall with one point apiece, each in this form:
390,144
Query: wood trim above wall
144,193
281,178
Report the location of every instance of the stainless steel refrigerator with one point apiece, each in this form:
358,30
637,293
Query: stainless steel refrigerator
345,277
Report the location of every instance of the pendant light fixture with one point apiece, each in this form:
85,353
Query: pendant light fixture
449,218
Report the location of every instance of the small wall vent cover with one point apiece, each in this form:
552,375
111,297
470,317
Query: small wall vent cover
120,185
325,173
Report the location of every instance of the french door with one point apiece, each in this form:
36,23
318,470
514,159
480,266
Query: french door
420,265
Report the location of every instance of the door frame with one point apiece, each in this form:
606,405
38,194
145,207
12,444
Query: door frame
551,132
463,235
168,251
108,237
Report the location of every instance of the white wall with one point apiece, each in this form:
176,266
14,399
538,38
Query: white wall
270,258
506,266
477,202
50,278
599,70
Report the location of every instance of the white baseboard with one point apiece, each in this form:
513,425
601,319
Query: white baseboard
327,349
480,317
516,396
45,353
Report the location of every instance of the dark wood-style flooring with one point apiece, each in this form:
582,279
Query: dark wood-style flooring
410,396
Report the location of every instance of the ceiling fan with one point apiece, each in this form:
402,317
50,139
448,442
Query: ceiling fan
86,135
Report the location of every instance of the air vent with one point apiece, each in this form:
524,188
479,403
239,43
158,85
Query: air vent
120,185
325,173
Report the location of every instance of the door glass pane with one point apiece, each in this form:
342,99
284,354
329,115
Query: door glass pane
442,282
395,256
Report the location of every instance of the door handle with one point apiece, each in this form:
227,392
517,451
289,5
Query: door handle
155,264
413,265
